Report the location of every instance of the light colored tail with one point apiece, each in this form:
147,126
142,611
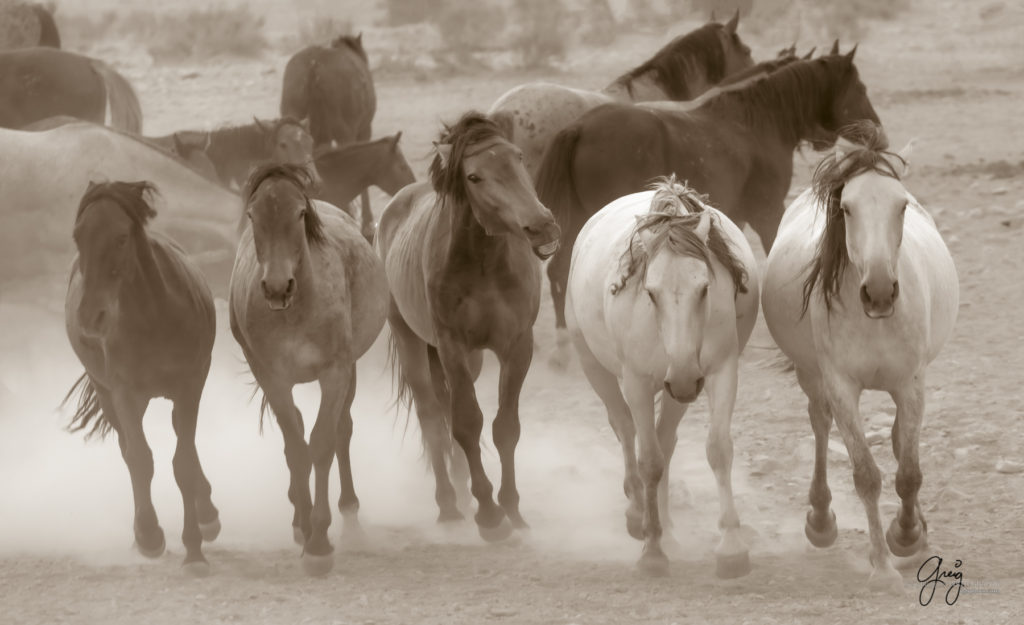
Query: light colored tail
123,104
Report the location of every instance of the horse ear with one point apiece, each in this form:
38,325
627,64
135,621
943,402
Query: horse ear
835,47
394,140
179,146
849,55
730,27
505,123
359,38
713,16
810,54
444,150
263,127
304,123
905,153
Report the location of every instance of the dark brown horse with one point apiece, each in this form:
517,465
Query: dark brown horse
236,150
332,87
308,298
140,318
36,83
461,256
737,148
28,25
348,170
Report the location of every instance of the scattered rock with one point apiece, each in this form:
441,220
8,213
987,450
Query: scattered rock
188,75
999,191
502,612
960,453
877,437
881,420
838,448
1008,466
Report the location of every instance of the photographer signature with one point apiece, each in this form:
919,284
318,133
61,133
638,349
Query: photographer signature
931,575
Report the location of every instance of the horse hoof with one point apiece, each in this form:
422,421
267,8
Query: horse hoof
317,566
821,538
635,526
298,536
559,359
653,563
499,532
450,516
733,565
210,531
904,543
154,551
888,580
196,568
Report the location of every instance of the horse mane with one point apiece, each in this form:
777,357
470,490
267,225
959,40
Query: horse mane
352,42
831,175
251,133
675,211
787,94
758,70
446,174
673,62
298,176
132,197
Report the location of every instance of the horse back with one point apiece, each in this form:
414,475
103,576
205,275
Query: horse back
37,83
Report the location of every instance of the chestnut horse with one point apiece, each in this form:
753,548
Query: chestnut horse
461,255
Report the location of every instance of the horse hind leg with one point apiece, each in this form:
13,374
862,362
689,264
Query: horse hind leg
506,427
187,473
606,385
348,503
908,533
458,465
820,526
414,367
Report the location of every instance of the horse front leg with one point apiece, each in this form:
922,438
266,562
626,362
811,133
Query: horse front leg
129,409
467,424
820,526
514,366
732,555
335,385
296,453
908,532
639,393
669,417
843,398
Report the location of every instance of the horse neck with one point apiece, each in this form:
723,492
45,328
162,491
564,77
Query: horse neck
359,163
241,144
470,245
789,116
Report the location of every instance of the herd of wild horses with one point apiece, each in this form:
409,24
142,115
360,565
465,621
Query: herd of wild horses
637,194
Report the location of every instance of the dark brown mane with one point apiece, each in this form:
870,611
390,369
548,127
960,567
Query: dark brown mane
298,176
673,63
446,175
132,197
352,42
675,211
791,95
831,175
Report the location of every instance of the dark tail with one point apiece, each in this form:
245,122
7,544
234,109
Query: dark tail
88,410
125,111
403,393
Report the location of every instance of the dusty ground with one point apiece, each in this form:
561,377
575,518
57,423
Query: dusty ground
65,515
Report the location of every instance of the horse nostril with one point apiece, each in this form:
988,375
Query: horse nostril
531,231
864,296
668,388
266,289
895,289
290,288
97,321
700,386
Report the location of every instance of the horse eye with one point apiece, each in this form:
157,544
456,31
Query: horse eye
704,291
302,214
473,178
904,209
845,209
654,300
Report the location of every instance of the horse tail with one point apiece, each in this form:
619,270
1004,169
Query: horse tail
556,187
125,111
49,36
88,409
399,383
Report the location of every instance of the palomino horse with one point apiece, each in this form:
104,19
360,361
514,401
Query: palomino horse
683,69
308,298
236,150
737,148
43,174
141,320
36,83
860,292
348,170
662,299
332,87
461,256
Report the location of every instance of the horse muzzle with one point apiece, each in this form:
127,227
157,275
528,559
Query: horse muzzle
544,241
879,302
685,393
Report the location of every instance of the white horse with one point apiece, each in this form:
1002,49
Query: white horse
860,292
662,295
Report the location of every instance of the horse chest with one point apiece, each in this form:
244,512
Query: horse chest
479,317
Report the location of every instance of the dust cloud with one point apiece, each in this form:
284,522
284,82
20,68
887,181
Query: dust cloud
64,496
